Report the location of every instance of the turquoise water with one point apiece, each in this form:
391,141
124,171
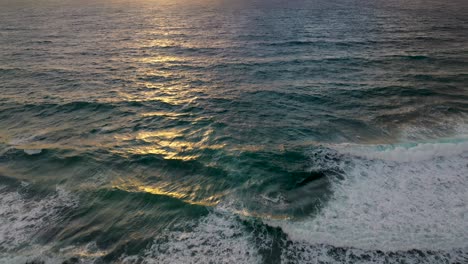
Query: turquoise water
233,131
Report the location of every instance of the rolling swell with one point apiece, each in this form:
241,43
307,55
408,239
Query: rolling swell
380,172
268,239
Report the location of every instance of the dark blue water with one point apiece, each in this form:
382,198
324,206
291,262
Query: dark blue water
233,131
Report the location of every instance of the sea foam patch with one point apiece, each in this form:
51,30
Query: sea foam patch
303,252
23,218
408,152
393,199
216,238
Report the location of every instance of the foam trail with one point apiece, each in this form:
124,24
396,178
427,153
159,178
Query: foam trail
394,199
217,238
24,218
410,152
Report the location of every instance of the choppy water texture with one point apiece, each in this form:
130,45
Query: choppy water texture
234,131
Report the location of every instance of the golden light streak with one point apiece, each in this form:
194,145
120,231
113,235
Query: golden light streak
182,193
170,144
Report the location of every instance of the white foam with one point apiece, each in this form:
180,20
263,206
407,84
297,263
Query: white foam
405,152
24,142
32,151
434,126
302,252
23,218
217,238
34,257
394,199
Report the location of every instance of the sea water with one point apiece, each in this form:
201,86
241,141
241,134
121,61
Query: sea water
211,131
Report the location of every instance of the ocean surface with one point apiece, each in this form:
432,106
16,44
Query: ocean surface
211,131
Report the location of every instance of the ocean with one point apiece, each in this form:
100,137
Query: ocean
217,131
